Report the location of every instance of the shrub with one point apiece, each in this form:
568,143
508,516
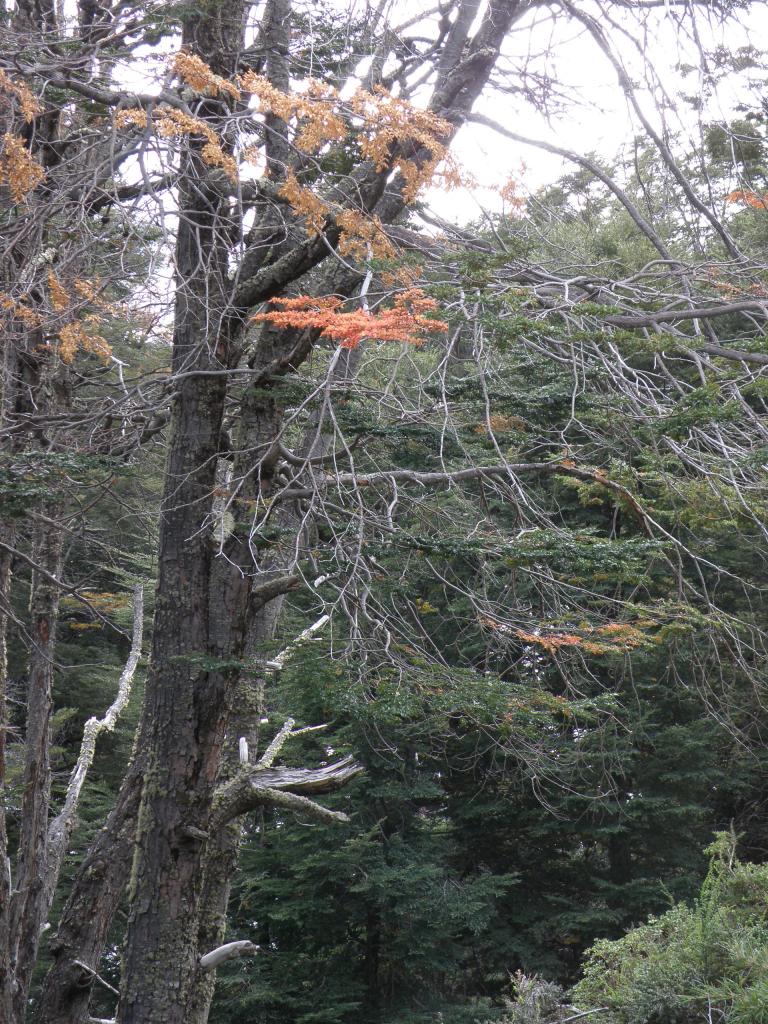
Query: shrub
708,962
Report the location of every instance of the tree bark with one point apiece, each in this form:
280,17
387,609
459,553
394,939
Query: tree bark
28,905
6,971
195,644
86,919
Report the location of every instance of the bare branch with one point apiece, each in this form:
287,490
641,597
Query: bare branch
62,825
268,757
278,662
255,787
229,951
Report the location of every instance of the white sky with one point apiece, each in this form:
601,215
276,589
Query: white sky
600,120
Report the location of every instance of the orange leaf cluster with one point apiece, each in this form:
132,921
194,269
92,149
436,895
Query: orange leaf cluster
748,197
316,109
612,638
383,120
363,236
380,122
134,117
18,168
405,321
404,276
77,335
305,203
59,295
498,423
28,317
514,199
388,119
74,337
175,124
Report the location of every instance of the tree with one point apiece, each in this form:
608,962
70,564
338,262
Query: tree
281,168
206,607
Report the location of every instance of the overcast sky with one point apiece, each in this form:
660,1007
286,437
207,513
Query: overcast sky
599,120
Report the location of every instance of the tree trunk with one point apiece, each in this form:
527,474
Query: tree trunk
6,972
86,919
195,643
28,906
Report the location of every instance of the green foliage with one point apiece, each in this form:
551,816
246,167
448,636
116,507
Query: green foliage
534,1001
693,961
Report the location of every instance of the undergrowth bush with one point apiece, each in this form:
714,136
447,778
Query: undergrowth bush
705,963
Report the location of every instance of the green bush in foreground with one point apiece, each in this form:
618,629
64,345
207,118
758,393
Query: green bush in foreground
708,962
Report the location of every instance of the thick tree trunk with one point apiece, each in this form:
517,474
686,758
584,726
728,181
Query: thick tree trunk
28,906
204,604
187,698
195,643
6,971
224,849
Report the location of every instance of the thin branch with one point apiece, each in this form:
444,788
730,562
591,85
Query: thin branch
508,470
268,757
278,662
591,166
96,976
62,825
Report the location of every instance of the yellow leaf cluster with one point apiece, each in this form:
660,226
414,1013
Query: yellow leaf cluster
388,119
28,317
18,168
316,110
77,335
133,117
196,74
271,100
320,122
60,299
74,338
382,121
305,203
26,99
363,236
171,123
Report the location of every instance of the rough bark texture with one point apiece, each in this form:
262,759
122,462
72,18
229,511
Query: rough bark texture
280,352
29,906
187,693
6,975
86,919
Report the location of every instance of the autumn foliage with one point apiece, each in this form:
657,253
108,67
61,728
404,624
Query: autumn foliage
406,320
748,197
